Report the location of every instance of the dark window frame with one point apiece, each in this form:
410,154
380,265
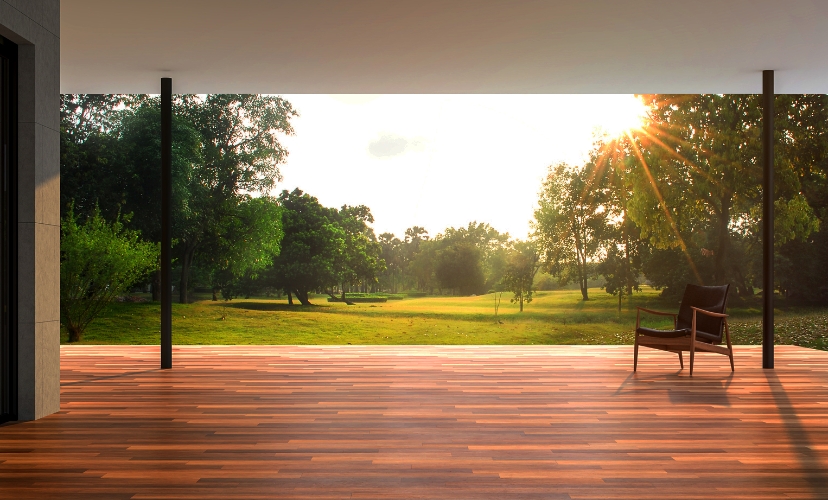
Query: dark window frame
8,231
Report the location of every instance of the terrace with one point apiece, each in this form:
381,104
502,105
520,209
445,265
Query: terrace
424,422
381,421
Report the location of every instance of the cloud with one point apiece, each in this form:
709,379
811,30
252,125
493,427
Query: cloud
387,145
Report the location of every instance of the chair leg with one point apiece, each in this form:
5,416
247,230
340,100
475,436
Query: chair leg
635,355
681,360
692,356
729,346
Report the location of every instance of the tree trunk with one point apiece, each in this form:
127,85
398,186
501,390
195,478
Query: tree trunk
627,271
620,293
302,295
743,286
186,264
215,296
580,256
290,297
155,287
74,334
343,299
722,243
521,303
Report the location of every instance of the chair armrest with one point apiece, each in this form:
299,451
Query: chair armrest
708,313
659,313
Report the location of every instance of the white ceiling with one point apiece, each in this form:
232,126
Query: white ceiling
443,46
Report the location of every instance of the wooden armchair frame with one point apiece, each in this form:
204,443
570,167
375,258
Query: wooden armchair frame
685,343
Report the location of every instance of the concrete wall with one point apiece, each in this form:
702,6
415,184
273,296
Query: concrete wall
35,26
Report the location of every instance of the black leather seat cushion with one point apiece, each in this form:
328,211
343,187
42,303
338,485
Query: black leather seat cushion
683,332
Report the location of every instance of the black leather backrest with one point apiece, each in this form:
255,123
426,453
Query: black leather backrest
709,298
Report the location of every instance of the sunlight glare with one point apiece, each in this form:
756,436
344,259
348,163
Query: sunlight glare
626,115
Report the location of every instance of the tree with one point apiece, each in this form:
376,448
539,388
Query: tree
570,222
240,154
312,246
138,164
392,254
225,148
620,270
98,261
613,162
522,264
802,262
360,262
492,244
250,242
418,266
459,266
89,171
698,184
422,265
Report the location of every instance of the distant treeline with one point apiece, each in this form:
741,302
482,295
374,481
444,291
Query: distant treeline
674,202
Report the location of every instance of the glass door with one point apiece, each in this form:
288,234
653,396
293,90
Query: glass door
8,340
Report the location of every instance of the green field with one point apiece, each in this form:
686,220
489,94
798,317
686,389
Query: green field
557,317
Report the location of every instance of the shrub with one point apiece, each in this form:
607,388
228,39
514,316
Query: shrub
98,262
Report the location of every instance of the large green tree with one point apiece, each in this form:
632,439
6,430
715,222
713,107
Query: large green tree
241,154
311,250
225,148
698,185
802,143
492,244
459,266
250,241
361,262
417,262
624,250
138,161
89,171
392,254
570,223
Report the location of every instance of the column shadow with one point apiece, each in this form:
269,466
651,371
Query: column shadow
810,466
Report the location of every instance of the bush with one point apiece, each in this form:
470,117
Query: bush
359,300
389,296
98,262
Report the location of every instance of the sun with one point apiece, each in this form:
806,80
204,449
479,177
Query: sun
624,115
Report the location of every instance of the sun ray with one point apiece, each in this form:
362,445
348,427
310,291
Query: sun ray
672,152
666,211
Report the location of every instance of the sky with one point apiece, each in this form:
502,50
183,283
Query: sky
441,161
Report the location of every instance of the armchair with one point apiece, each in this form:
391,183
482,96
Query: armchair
698,326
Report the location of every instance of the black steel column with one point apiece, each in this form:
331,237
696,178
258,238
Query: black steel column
767,219
166,222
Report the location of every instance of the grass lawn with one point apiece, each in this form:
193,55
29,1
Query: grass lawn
557,317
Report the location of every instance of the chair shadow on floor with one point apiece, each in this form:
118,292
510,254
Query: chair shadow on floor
706,390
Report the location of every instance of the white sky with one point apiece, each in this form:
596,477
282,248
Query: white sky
442,160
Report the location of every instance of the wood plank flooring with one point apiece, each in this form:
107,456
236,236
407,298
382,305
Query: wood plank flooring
458,422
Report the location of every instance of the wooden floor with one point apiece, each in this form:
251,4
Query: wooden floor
530,422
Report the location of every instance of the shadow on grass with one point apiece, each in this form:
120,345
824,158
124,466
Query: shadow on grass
270,306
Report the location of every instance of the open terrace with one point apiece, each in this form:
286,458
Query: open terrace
424,422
